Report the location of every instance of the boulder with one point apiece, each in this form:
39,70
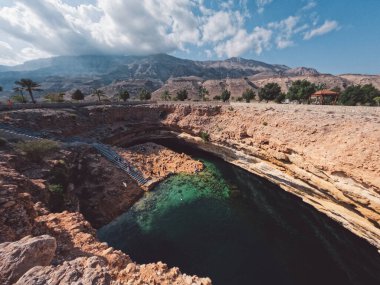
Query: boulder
82,270
18,257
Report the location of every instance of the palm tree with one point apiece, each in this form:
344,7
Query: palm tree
19,90
99,93
30,86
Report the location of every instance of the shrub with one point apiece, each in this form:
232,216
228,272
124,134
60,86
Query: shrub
165,96
280,98
36,150
55,97
77,95
265,123
123,95
202,92
239,99
218,98
204,136
248,95
18,98
182,95
225,96
56,189
145,95
3,142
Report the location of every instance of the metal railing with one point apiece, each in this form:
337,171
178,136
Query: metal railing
120,162
103,149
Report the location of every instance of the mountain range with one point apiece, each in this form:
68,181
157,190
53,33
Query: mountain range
152,72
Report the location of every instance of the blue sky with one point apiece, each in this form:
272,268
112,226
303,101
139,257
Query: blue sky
333,36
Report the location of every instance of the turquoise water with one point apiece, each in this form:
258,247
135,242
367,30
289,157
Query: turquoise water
237,228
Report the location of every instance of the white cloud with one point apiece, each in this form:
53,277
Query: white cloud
42,28
261,5
242,42
327,27
310,5
285,30
220,26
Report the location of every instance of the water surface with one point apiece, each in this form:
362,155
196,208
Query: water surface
237,228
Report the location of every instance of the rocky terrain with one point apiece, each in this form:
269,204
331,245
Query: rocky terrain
157,73
46,237
326,155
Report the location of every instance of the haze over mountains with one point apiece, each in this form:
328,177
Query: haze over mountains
153,72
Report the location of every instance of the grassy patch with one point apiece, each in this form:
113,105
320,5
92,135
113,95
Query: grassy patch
36,150
204,136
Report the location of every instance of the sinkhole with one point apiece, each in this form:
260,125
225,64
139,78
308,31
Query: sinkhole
237,228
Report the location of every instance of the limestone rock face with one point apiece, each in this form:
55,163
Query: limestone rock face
84,271
18,257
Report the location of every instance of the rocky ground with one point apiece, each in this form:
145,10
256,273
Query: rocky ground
327,155
46,240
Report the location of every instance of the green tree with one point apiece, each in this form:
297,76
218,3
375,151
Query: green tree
270,92
165,96
357,94
77,95
182,95
55,97
321,86
337,89
30,86
123,95
280,98
19,95
226,95
99,93
202,92
377,100
301,90
145,95
248,95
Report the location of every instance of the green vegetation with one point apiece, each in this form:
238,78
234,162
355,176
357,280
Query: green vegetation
55,97
123,95
377,100
145,95
56,188
360,95
165,96
202,92
280,98
321,86
18,98
182,95
204,136
28,85
270,92
225,96
301,90
217,98
99,93
77,95
3,142
248,95
36,150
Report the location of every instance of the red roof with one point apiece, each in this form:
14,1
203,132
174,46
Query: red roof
324,92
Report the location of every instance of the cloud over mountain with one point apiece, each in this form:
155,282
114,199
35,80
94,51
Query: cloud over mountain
39,28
